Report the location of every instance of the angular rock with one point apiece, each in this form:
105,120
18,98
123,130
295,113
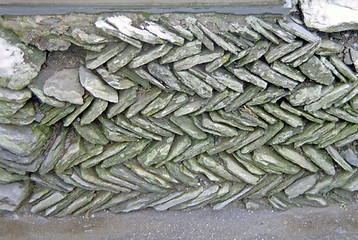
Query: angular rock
288,71
200,73
199,34
92,133
124,25
96,86
24,116
266,73
255,24
102,24
142,102
12,195
320,158
301,186
23,140
64,85
187,125
330,16
306,94
342,68
8,109
291,119
228,80
317,71
19,63
97,107
178,100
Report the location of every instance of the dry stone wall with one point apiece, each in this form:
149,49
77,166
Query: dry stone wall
175,111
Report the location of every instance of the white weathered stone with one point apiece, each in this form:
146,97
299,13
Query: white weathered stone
330,15
19,64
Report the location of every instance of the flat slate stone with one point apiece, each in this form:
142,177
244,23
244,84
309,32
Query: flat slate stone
96,86
22,140
9,95
317,71
64,85
12,195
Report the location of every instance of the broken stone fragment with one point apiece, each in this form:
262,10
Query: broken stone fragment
122,59
165,74
246,76
12,195
97,107
270,161
64,85
288,71
19,64
36,86
342,68
96,86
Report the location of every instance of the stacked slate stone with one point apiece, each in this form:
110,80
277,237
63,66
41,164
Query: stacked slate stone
167,114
